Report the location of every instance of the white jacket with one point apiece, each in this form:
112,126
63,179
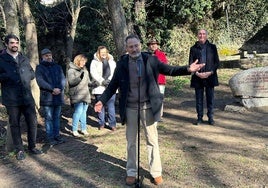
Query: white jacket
96,72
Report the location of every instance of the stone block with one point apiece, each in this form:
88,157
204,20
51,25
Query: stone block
252,87
250,83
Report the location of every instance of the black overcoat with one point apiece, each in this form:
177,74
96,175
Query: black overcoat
212,64
15,80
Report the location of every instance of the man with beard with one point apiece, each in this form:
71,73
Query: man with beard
51,81
139,69
16,74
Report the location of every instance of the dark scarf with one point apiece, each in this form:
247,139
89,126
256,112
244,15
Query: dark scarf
106,71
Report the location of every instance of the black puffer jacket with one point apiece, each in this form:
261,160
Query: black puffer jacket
121,80
15,80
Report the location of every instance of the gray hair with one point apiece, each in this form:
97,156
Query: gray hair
204,30
132,36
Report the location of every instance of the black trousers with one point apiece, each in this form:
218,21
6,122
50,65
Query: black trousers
14,113
199,95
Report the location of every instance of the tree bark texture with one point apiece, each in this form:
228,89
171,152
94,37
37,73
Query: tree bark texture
119,25
140,19
30,32
31,43
11,15
74,9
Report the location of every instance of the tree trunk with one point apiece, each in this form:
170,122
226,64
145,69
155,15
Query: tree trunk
12,26
140,19
11,15
30,32
119,25
74,9
31,44
3,16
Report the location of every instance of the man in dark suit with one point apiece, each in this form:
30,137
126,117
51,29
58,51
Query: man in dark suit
205,79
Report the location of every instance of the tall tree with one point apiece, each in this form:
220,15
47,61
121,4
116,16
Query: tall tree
30,32
74,7
31,42
119,25
2,23
140,15
11,16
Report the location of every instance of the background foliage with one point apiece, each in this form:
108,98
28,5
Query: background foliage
173,23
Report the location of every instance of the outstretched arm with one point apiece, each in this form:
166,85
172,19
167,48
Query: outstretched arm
194,67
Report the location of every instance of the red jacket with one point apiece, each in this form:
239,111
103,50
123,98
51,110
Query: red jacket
162,57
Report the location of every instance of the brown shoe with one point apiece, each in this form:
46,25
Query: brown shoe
158,180
130,180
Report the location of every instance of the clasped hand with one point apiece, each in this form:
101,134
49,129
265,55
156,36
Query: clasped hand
203,74
56,91
106,82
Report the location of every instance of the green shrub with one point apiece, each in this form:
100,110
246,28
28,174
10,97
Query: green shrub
180,82
178,46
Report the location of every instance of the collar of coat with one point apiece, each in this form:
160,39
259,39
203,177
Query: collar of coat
199,45
145,56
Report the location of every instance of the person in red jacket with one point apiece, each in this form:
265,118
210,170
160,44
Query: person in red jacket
153,46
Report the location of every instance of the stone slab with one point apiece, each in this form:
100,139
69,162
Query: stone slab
250,83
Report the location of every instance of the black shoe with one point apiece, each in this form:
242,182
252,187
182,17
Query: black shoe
52,143
35,151
211,122
198,122
20,155
161,120
101,127
59,140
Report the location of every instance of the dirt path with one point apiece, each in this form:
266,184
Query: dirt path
233,153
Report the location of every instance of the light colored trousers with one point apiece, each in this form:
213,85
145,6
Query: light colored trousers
162,90
151,134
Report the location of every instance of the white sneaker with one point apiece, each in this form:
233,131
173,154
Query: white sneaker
85,132
75,133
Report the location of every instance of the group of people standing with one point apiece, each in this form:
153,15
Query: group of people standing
138,77
51,81
16,75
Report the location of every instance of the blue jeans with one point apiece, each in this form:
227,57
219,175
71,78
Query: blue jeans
199,94
110,105
80,114
52,121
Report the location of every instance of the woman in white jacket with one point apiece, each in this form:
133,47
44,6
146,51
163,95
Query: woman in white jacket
102,69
